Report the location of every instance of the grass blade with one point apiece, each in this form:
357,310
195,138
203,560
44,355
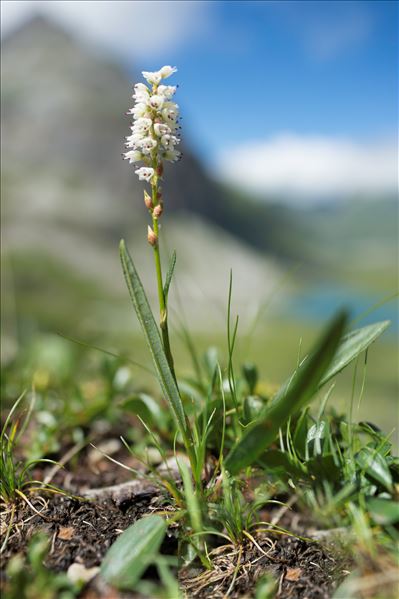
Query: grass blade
297,394
153,338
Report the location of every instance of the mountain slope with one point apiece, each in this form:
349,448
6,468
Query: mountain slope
64,126
68,196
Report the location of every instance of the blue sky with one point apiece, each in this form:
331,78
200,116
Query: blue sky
295,97
274,60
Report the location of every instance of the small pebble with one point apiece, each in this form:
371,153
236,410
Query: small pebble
79,573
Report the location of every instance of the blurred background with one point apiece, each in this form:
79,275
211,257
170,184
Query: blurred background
289,178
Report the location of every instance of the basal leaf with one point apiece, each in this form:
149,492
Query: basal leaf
151,332
132,552
353,344
146,407
253,406
383,511
303,385
322,468
278,462
374,466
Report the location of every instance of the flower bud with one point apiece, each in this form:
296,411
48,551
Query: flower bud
148,201
151,237
160,170
158,210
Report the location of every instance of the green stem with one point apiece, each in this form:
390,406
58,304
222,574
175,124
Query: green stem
187,437
163,312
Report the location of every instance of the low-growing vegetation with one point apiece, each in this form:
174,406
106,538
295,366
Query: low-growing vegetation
217,486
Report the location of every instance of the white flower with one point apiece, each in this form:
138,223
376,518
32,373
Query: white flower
161,129
141,98
141,88
133,156
139,111
167,71
169,141
141,93
156,102
170,113
133,141
172,106
142,125
172,155
145,173
167,91
152,77
147,144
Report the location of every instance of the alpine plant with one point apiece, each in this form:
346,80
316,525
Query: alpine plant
155,135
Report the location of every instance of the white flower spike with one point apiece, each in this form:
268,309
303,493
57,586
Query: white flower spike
155,126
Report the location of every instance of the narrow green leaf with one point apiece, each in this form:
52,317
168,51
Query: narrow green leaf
169,275
322,468
374,466
193,506
146,407
383,511
278,462
253,406
132,552
170,582
300,433
151,333
353,344
297,394
251,376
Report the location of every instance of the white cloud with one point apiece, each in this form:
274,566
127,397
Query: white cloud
143,29
311,167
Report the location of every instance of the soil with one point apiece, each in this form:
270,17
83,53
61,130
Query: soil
302,570
82,530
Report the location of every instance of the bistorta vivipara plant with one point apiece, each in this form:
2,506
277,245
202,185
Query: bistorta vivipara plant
228,433
153,140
